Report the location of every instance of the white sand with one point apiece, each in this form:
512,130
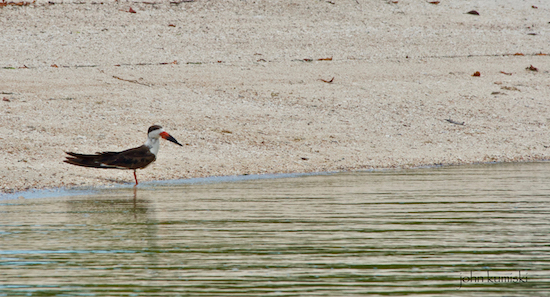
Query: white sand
90,77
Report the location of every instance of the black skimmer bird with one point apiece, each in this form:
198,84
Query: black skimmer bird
134,158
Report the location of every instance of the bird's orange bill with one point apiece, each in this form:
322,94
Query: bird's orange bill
170,138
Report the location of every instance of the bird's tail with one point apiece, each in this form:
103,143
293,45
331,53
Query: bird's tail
97,161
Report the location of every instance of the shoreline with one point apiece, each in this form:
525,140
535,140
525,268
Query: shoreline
57,192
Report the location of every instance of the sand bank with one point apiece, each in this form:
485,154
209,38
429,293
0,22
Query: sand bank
270,86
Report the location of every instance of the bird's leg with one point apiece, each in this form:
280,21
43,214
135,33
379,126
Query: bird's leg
135,200
135,177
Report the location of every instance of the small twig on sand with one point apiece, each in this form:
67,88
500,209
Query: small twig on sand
327,81
181,1
454,122
131,80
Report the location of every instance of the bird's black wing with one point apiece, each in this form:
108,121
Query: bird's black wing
134,158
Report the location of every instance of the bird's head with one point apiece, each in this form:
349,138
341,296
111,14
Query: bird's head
156,131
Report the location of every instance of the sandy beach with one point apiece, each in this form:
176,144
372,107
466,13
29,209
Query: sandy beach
252,87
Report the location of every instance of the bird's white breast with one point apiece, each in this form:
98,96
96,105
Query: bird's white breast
153,145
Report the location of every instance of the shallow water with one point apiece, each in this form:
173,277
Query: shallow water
463,231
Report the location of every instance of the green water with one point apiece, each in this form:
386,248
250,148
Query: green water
456,231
